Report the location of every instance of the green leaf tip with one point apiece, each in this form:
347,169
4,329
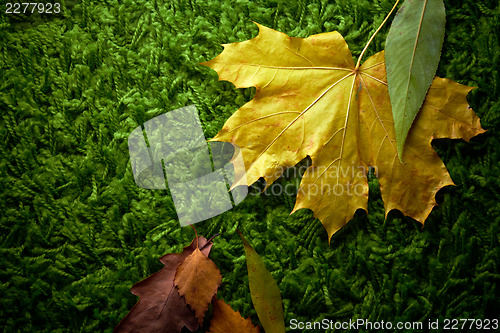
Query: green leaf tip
412,52
266,296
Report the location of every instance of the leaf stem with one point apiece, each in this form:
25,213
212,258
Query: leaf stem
209,240
196,234
371,38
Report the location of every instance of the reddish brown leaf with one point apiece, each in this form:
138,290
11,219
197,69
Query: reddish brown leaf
226,320
198,279
161,308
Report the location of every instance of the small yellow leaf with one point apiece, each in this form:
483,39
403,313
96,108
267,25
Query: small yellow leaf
227,320
198,279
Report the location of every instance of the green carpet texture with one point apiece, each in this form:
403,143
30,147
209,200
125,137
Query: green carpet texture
76,232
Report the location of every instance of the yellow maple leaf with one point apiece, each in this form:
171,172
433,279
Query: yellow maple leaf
313,100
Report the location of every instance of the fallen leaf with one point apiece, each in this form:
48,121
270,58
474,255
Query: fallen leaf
311,100
226,320
160,307
198,279
412,53
266,297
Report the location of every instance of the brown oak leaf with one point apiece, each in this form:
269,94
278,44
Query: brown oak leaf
226,320
313,100
198,279
160,307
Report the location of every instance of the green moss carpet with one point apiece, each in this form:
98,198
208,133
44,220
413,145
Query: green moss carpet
76,232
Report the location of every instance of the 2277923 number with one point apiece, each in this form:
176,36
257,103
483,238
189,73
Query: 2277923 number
25,7
470,324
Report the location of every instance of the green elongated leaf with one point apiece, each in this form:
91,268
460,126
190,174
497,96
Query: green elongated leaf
412,52
266,297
